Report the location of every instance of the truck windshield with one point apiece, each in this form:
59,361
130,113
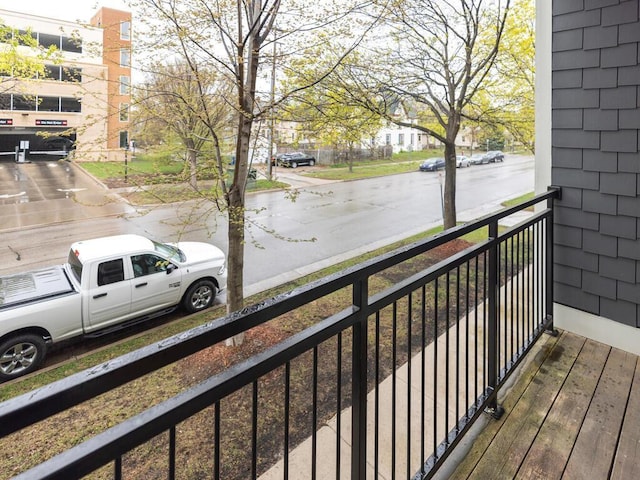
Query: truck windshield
76,265
169,251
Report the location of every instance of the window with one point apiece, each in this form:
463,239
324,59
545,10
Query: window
387,140
124,85
110,272
125,30
24,102
124,139
70,105
5,101
48,104
52,72
401,139
71,74
125,57
72,44
47,40
148,264
412,141
23,35
124,112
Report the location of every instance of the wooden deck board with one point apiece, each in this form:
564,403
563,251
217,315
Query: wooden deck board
576,418
627,462
553,444
504,456
595,446
528,373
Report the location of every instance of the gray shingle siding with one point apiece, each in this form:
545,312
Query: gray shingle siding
629,206
568,276
594,201
572,59
626,75
622,55
576,19
625,12
572,297
599,78
568,40
597,37
591,4
597,161
567,6
618,184
602,287
568,118
629,33
624,312
596,119
567,157
596,156
618,226
595,242
568,236
629,291
573,78
630,119
617,98
629,162
620,141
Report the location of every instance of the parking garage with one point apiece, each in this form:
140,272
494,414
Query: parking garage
29,144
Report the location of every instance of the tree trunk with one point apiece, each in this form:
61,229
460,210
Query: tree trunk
235,256
449,219
192,160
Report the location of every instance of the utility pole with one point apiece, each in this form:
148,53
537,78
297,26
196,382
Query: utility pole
272,115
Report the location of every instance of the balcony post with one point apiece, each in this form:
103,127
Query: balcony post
493,353
359,382
549,246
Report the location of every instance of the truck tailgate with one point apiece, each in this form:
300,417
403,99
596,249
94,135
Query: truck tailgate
35,285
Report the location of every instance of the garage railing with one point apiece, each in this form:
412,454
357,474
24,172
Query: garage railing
385,383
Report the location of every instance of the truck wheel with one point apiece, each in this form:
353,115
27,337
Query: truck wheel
20,355
199,296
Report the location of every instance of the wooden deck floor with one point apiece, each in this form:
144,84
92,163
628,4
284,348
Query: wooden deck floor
574,413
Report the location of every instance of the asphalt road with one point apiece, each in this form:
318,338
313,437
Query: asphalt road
285,239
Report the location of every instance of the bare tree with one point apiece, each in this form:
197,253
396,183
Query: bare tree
437,56
234,37
172,99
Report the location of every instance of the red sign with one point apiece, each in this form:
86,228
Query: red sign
52,123
6,121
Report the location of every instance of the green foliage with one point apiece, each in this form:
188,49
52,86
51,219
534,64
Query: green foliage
511,89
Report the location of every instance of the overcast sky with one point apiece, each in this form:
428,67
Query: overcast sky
70,10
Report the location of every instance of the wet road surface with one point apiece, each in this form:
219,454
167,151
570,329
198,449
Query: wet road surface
46,192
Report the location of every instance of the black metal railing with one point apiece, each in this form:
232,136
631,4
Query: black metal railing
385,383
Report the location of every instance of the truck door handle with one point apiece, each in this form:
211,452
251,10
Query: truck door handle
141,285
100,295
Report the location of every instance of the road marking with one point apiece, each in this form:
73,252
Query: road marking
70,190
9,195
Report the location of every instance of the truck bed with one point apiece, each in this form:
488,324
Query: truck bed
36,285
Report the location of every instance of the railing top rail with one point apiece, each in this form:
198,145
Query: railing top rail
46,401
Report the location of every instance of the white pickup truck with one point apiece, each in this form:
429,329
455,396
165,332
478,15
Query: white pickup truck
107,283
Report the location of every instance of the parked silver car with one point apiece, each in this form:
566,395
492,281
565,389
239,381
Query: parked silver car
462,161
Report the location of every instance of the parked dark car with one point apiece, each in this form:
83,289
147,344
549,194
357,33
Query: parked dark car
495,156
432,165
478,159
294,160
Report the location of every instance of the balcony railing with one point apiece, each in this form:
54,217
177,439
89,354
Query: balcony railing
384,384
